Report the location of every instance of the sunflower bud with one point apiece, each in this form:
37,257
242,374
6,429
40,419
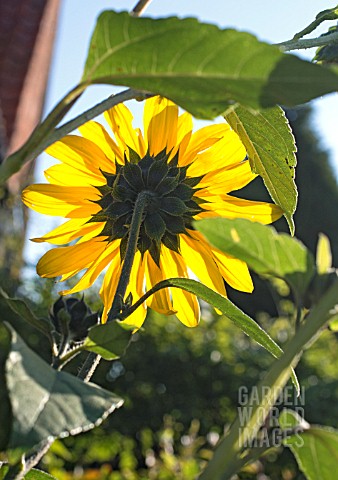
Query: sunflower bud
72,318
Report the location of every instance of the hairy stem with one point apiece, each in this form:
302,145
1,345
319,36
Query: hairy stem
128,311
92,360
42,137
93,112
129,255
303,43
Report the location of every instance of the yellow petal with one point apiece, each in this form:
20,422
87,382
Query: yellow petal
62,174
228,151
120,121
201,140
59,261
96,133
111,251
71,202
184,132
109,285
184,126
199,258
234,271
160,124
185,303
68,231
82,154
142,147
232,207
160,301
226,180
136,288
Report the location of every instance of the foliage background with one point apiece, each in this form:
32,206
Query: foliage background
177,406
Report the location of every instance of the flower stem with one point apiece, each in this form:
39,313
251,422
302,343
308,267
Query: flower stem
139,8
303,43
129,255
92,360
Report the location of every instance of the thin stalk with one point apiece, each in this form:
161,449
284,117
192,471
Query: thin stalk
88,368
139,8
129,255
303,43
128,311
93,112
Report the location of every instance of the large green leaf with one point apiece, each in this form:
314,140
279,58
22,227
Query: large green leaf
19,306
109,340
200,67
263,249
239,318
316,449
47,403
271,148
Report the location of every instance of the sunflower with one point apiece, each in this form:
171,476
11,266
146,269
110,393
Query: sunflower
187,176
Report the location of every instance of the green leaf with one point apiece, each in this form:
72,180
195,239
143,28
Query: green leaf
239,318
38,475
47,403
5,406
200,67
19,307
271,148
109,340
315,449
33,474
263,249
329,14
328,54
290,419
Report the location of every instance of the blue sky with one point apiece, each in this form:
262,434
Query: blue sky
271,21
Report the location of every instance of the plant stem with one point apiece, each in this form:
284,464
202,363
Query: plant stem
92,360
129,255
139,8
303,43
128,311
41,138
93,112
89,366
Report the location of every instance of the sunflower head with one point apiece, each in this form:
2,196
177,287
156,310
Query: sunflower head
170,207
183,175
